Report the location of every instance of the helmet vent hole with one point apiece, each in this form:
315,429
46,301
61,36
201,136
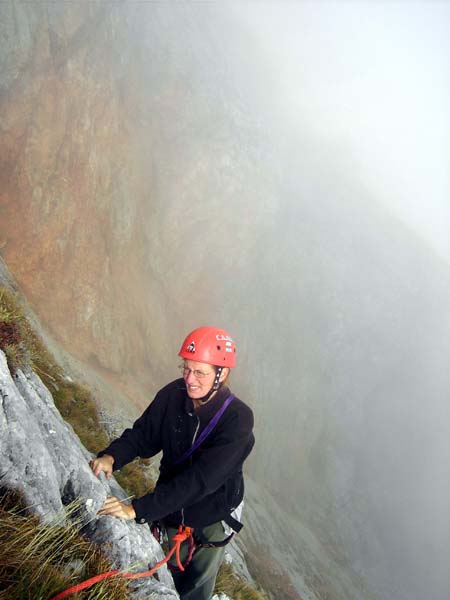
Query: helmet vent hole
218,347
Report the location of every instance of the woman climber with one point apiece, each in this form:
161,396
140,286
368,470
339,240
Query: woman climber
205,434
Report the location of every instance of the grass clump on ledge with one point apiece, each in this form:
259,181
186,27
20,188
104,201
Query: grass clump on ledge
133,478
234,587
24,348
38,561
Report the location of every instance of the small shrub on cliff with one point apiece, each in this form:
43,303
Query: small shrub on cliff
39,561
77,407
9,306
234,587
24,348
133,478
12,329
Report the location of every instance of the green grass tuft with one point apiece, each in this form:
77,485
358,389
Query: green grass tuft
229,583
24,348
38,561
134,478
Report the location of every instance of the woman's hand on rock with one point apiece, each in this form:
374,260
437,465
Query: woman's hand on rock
104,463
115,508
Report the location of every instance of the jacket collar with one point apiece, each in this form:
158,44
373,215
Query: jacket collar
208,410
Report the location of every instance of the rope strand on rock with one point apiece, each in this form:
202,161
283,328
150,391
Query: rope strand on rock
183,534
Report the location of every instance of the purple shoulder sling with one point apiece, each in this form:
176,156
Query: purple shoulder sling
204,434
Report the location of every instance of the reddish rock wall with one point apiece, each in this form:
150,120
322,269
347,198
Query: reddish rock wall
72,180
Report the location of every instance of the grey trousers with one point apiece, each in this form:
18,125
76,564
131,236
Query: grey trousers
198,580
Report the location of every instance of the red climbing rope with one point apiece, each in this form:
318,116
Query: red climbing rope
182,535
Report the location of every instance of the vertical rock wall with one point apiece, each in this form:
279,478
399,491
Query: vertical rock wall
71,177
41,456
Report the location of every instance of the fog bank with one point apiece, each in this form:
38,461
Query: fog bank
277,170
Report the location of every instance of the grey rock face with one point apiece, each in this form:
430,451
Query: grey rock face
41,456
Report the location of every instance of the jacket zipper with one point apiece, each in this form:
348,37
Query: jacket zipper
196,431
192,443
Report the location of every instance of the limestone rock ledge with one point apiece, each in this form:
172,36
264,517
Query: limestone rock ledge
41,456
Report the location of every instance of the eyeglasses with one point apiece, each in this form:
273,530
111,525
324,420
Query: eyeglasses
197,374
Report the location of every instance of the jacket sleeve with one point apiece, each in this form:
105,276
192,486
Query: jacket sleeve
211,467
143,439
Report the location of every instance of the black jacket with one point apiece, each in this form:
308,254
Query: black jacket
206,487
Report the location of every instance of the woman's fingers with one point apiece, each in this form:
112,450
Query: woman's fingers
104,463
115,508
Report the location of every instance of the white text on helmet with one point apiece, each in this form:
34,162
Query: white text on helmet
223,338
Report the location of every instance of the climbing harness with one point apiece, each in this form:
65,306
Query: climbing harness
183,534
196,542
190,553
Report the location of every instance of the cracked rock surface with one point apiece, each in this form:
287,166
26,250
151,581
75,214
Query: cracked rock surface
41,456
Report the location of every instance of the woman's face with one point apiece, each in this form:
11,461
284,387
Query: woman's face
199,378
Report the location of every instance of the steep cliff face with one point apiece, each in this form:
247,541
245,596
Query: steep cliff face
72,182
110,136
41,456
141,197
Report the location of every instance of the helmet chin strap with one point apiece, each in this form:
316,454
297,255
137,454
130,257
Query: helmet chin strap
215,386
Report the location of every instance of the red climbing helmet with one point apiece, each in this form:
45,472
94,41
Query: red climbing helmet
209,345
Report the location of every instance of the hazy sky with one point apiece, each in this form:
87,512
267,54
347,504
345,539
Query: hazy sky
373,80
